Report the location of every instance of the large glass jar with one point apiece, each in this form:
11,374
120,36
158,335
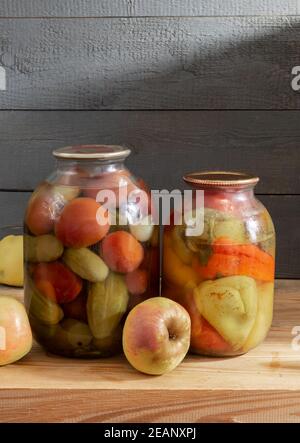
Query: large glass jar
225,276
91,251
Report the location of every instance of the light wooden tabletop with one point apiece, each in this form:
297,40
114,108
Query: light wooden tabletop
263,385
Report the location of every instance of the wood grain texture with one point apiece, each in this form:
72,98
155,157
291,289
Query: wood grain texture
165,144
263,385
150,63
285,211
131,8
112,406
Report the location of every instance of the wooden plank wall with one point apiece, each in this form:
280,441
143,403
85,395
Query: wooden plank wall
187,84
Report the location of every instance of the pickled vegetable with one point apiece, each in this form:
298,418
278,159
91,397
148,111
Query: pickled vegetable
76,309
41,307
106,305
71,337
218,224
75,333
67,192
179,246
82,223
86,269
57,282
44,248
143,230
42,331
86,264
204,337
224,276
122,252
112,181
264,315
229,304
229,259
45,205
111,344
175,271
137,281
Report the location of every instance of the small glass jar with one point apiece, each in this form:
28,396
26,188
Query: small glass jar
225,276
91,251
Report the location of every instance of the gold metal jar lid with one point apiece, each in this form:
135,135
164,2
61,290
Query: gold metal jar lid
90,152
220,179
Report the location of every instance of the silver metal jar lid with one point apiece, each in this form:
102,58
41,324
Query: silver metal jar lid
89,152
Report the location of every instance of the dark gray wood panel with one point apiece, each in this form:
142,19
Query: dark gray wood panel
166,144
12,207
150,63
285,211
131,8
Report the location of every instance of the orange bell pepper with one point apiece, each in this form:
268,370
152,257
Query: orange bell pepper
229,259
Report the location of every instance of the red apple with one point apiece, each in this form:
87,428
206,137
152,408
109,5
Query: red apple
15,332
156,335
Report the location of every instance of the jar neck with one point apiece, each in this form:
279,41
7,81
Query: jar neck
229,199
231,192
91,167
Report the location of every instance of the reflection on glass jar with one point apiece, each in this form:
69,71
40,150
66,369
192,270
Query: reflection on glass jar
225,276
91,252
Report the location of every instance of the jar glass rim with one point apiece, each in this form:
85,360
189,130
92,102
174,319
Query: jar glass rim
89,152
221,179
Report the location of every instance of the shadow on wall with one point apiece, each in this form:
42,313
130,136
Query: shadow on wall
154,64
183,63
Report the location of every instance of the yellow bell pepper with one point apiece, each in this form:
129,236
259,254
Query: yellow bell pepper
264,316
229,304
179,246
175,271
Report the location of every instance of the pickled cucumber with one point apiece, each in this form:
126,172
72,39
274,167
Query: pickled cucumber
43,248
86,264
71,337
67,192
106,305
40,307
40,330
